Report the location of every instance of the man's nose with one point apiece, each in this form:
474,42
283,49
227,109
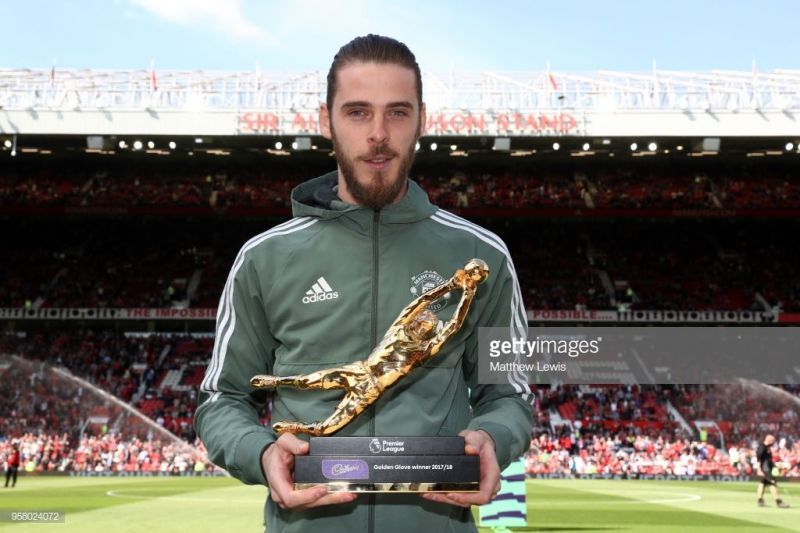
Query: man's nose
378,133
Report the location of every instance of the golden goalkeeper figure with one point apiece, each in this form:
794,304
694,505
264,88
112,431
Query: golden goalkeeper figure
410,341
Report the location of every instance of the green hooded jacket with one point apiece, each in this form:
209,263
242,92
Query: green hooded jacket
320,291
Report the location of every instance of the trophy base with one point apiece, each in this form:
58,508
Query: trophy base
353,486
394,464
387,446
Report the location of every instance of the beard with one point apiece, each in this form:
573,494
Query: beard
380,188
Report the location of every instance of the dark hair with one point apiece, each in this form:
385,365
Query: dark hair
373,49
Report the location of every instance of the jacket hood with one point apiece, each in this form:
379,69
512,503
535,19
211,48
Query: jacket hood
317,198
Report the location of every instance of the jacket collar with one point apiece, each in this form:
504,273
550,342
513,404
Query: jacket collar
317,198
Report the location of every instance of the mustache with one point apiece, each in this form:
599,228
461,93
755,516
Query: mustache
382,150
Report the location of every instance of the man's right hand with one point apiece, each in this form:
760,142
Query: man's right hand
278,462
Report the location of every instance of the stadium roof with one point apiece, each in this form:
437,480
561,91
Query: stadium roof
487,90
535,104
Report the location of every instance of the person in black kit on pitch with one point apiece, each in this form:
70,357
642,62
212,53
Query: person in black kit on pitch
12,465
765,466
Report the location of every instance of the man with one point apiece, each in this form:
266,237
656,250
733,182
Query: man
765,466
320,290
12,465
735,458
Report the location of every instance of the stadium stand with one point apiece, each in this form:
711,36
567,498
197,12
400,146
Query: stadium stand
623,430
627,431
629,187
584,237
581,264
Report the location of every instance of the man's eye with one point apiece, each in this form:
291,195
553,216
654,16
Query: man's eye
357,113
399,113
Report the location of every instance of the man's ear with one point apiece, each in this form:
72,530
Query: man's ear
324,121
423,120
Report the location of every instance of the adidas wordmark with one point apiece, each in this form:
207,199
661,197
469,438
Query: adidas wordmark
319,292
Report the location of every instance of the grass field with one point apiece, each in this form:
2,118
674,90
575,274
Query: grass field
202,505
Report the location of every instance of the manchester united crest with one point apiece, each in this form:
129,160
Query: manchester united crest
425,281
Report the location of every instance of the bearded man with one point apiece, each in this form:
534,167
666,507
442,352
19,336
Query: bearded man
320,290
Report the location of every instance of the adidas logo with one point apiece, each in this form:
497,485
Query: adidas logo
319,292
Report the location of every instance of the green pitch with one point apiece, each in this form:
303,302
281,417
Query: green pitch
200,505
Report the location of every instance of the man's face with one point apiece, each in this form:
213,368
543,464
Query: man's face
374,124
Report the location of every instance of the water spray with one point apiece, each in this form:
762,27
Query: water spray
115,401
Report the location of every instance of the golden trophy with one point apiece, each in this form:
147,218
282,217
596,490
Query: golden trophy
413,338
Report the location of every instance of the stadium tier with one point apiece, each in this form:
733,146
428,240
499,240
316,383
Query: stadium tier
607,264
597,190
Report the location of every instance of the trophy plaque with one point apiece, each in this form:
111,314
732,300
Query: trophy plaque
386,463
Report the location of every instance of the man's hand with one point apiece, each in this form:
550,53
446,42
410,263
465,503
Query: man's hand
278,462
481,444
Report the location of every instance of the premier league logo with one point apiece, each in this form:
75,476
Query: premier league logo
425,281
375,446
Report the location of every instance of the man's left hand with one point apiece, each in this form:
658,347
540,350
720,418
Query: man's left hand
481,444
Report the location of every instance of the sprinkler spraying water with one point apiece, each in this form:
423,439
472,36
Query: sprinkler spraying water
100,394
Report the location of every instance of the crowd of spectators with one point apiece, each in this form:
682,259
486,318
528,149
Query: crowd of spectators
159,186
157,374
630,188
46,186
526,186
555,265
656,264
35,401
120,263
569,264
627,430
764,257
578,264
115,362
514,190
69,426
129,268
111,452
743,264
740,410
753,190
633,455
681,265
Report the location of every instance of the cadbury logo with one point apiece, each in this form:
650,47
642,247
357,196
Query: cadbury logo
345,469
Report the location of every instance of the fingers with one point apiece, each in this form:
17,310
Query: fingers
475,443
286,497
288,442
445,497
478,438
314,497
278,462
463,499
489,480
332,498
489,487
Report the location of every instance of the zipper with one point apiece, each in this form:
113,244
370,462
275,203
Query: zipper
376,220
